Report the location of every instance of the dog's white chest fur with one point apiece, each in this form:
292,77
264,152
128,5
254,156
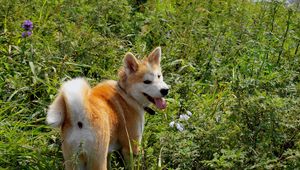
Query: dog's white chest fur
140,125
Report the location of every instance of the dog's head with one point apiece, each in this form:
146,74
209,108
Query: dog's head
143,80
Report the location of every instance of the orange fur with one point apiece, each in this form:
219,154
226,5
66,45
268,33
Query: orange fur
95,121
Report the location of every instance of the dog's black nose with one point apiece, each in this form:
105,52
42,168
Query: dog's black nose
164,92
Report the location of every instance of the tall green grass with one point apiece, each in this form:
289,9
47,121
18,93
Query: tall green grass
233,64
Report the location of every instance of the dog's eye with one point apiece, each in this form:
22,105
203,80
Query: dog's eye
147,82
158,76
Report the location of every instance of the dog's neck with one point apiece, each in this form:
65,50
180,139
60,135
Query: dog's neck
146,108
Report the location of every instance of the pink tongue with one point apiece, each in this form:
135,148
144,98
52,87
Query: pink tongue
160,103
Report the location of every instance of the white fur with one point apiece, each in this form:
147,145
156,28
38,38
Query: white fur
55,115
152,89
84,137
79,139
157,84
72,94
141,125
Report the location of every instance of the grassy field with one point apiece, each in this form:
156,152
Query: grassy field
233,67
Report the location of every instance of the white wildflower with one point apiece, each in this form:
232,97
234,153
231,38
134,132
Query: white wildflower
218,118
172,124
184,117
189,113
179,127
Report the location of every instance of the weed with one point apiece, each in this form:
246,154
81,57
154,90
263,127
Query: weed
234,64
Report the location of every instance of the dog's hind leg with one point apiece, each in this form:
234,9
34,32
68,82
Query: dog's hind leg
75,159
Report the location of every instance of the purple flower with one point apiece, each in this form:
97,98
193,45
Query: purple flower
26,34
27,25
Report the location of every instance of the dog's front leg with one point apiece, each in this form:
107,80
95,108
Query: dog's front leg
129,155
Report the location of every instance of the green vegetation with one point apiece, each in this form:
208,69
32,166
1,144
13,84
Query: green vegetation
232,63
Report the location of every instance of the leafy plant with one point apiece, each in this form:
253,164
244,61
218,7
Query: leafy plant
233,64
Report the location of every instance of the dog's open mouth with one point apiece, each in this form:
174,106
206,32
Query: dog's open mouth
158,102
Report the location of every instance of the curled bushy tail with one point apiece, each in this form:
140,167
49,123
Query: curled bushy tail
70,102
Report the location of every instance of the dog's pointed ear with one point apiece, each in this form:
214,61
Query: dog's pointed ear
155,56
130,63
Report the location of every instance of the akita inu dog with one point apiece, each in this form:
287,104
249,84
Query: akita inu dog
110,116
